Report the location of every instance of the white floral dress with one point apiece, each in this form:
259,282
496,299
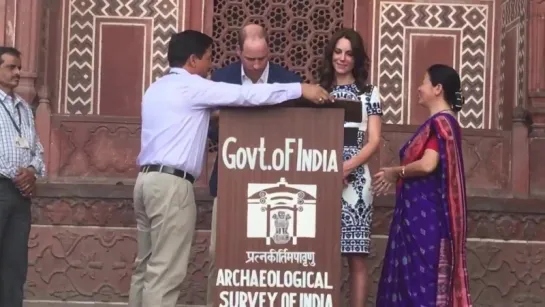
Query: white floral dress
357,200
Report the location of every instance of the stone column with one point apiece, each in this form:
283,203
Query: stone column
7,22
43,123
520,161
536,55
536,94
24,32
27,40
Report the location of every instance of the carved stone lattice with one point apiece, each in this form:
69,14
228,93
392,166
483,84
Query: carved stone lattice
298,30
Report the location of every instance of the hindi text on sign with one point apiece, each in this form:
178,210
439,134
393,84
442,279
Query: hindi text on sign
281,256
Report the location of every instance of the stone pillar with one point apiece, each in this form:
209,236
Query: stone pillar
536,55
22,22
27,40
520,161
7,22
536,94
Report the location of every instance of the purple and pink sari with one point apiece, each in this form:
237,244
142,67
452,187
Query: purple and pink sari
425,260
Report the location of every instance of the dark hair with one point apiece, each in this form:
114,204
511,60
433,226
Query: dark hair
9,50
450,82
361,60
243,34
182,45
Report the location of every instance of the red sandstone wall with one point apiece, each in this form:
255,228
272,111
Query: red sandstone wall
83,241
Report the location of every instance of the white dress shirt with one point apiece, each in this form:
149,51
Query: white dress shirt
263,79
176,113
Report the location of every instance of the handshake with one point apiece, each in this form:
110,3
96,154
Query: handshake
315,93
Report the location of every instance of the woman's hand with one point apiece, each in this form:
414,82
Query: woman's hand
384,179
347,168
347,171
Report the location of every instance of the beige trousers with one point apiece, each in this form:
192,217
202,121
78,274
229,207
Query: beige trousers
165,211
212,272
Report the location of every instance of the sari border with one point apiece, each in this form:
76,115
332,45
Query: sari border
443,274
457,209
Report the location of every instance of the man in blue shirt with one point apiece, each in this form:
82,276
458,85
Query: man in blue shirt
253,67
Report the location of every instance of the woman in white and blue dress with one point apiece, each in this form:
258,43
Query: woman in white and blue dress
344,73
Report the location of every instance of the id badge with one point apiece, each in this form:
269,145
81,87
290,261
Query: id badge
21,142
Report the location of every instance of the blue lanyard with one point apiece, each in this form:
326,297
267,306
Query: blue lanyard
17,127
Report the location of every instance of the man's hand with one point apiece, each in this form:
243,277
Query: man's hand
215,115
315,93
25,180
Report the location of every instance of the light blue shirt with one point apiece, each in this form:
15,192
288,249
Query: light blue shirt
176,112
13,157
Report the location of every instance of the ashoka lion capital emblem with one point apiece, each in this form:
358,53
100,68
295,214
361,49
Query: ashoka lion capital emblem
281,212
281,224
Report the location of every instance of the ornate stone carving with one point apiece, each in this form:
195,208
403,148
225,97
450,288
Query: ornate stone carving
88,265
83,212
298,30
77,67
122,140
501,274
102,212
95,265
83,143
513,18
536,60
486,159
474,26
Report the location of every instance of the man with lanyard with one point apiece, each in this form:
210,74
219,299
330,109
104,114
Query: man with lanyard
21,161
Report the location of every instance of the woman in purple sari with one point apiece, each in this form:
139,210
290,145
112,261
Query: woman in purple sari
425,260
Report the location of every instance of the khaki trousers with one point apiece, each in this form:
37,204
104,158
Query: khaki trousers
165,211
212,272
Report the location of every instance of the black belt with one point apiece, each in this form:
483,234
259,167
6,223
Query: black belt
351,136
167,170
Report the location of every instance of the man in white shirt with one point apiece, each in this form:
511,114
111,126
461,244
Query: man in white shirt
175,116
